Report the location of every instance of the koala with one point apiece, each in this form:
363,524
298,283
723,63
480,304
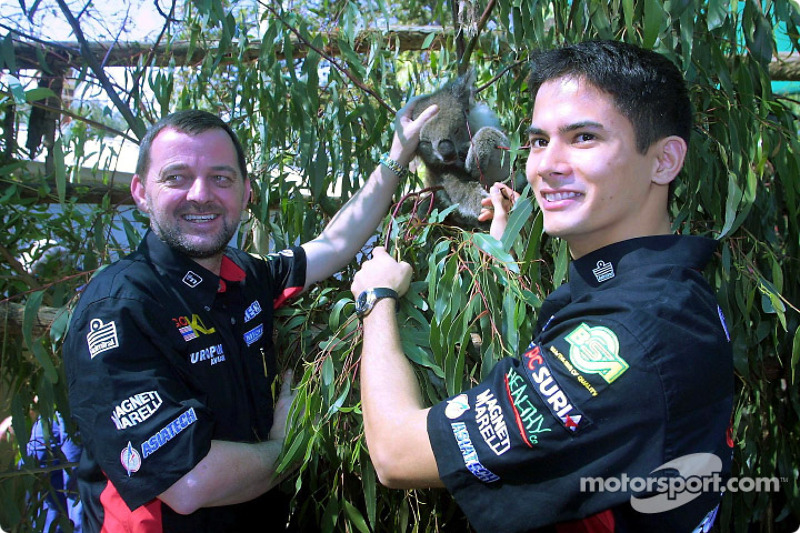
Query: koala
459,147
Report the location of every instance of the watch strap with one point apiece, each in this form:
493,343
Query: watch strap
367,299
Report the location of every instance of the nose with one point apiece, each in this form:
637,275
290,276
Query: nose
547,162
200,191
447,149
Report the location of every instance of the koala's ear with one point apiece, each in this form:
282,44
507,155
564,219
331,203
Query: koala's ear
409,105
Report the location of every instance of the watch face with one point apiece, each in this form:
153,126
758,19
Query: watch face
364,302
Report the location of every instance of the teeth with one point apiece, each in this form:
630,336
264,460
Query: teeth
557,196
199,218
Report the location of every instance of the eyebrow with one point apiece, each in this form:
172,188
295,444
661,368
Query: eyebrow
586,124
181,166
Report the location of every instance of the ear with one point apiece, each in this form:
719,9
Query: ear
670,154
138,193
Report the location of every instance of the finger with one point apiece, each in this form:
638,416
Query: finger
427,114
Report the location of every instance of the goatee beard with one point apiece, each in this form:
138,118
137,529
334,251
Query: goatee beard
176,240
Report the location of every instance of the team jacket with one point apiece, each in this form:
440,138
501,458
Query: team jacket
162,356
625,392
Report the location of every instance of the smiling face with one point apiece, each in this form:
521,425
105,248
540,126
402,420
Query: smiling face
194,192
593,186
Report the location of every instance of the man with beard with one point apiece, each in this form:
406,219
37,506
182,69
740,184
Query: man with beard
169,356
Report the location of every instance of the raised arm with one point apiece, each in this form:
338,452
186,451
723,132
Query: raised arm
395,418
358,219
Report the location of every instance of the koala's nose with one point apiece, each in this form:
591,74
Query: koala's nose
447,150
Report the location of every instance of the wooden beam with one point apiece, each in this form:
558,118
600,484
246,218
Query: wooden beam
785,67
12,314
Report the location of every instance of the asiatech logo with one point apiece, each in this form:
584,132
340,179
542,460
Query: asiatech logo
678,482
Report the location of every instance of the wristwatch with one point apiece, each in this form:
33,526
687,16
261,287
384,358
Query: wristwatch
367,299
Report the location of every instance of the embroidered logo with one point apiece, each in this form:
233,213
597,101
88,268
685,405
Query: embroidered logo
457,406
192,328
101,337
130,459
551,393
527,416
251,312
136,409
168,432
603,272
254,334
469,455
192,279
595,350
492,425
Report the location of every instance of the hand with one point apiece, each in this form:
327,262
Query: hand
382,271
496,207
281,411
406,135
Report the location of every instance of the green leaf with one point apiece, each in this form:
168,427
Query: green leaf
795,354
60,169
493,247
355,516
517,219
654,16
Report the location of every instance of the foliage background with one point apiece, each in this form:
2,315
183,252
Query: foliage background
311,87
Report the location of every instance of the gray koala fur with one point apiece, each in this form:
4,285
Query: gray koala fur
459,147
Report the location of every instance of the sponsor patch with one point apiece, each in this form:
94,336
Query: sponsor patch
101,337
603,272
136,409
595,350
574,372
457,406
168,432
469,454
192,279
252,311
130,459
530,422
192,327
491,423
254,334
551,393
215,354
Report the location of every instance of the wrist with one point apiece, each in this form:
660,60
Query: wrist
397,167
367,300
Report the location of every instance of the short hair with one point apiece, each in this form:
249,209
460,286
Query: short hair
646,87
191,122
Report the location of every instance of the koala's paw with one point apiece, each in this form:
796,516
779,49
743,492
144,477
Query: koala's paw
467,194
486,162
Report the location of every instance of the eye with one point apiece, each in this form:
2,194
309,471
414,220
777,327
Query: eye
223,181
537,142
585,137
172,180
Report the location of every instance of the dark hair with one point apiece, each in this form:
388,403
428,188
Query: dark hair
192,122
646,87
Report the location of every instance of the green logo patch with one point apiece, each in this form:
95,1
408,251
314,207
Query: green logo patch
595,350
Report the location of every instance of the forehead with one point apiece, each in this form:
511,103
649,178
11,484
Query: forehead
212,147
572,100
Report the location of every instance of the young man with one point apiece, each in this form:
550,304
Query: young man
169,355
629,375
